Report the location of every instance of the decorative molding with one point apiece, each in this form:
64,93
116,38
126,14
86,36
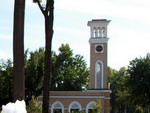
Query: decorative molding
77,97
74,97
98,40
102,91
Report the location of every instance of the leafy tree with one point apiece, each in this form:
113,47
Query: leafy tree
18,50
139,80
120,98
139,109
97,108
5,82
66,67
69,72
48,13
34,71
33,106
110,73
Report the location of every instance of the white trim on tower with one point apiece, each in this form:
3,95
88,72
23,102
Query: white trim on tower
102,75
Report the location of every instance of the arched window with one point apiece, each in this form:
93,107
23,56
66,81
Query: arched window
57,107
89,106
94,32
99,32
103,32
99,75
74,106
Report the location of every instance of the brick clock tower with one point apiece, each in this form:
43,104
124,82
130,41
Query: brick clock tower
72,101
98,54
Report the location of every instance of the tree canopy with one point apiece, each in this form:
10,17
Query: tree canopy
5,81
120,95
34,71
139,80
69,72
131,87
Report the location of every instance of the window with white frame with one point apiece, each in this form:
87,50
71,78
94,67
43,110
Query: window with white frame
57,107
89,107
99,75
74,107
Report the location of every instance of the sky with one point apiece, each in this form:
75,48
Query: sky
128,31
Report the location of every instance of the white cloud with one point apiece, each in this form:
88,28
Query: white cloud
129,30
3,36
131,10
71,31
5,55
126,44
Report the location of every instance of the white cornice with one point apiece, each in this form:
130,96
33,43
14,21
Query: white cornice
98,23
98,40
102,91
77,96
104,97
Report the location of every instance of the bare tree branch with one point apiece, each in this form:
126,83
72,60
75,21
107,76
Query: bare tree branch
41,8
47,6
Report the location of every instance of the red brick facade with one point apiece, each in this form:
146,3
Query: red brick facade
83,98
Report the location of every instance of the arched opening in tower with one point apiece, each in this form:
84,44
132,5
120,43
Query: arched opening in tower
98,75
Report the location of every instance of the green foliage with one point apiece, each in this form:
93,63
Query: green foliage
69,72
120,97
139,109
33,106
76,112
139,80
5,81
97,107
110,73
34,71
131,87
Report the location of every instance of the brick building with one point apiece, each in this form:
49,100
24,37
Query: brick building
68,101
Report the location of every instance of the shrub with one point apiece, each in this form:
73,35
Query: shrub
33,106
139,109
97,108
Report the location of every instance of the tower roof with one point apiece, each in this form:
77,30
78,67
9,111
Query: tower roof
98,22
99,19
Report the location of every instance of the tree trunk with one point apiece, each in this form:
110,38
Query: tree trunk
18,50
48,45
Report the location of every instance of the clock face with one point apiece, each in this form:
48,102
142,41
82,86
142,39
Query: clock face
99,48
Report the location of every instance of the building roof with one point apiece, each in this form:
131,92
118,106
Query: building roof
99,20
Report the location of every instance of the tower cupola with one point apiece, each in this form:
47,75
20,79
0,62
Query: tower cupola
98,28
